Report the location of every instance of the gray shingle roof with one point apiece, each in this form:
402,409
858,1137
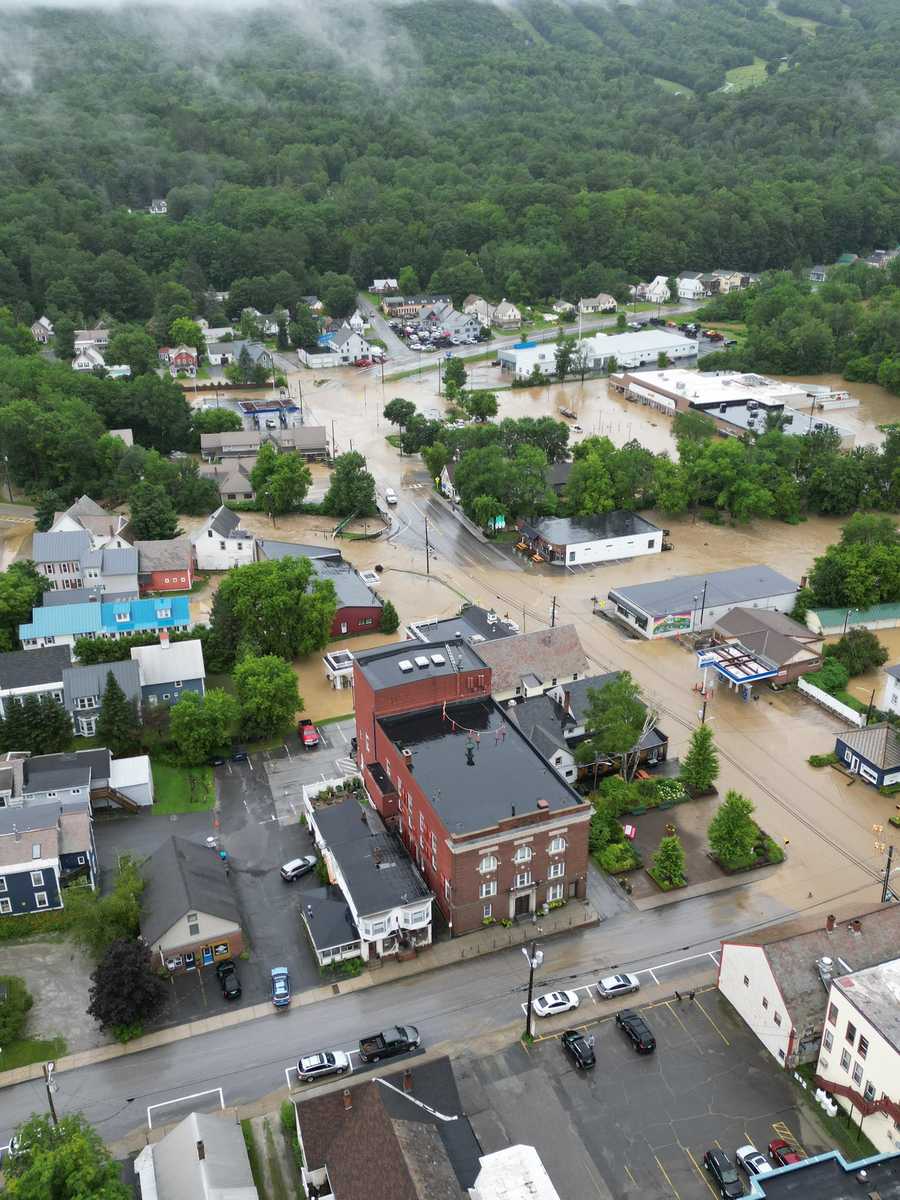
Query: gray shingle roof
173,554
31,668
275,550
44,772
122,561
183,877
749,620
569,531
224,521
734,587
546,653
880,744
91,680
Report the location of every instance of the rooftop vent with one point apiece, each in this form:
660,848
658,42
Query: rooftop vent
405,665
438,660
543,804
421,661
825,969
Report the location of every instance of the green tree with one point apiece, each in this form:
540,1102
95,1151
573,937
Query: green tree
621,322
201,726
126,989
14,1010
64,339
436,458
338,293
390,620
732,832
213,420
668,863
859,651
352,487
615,722
184,332
38,724
693,426
700,766
118,725
97,921
563,355
304,329
399,412
485,509
288,483
663,360
480,404
281,341
65,1161
153,515
831,677
454,377
267,694
133,346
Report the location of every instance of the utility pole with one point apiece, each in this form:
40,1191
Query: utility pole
553,614
427,550
48,1069
886,893
703,602
535,958
333,443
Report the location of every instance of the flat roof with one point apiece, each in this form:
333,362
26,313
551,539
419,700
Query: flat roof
735,586
476,766
875,991
472,622
569,531
381,666
641,340
829,1177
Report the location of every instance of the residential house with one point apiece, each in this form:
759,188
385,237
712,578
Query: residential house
433,316
183,360
530,664
859,1059
221,543
441,761
771,638
231,477
477,306
83,688
88,359
81,559
872,752
465,326
106,528
506,316
204,1157
124,435
169,669
26,673
691,286
597,304
272,550
356,322
606,537
390,905
890,695
189,915
62,625
514,1171
402,1136
313,303
563,308
380,286
730,281
91,339
657,291
42,330
711,283
158,207
222,353
818,273
880,259
350,345
778,978
309,440
165,566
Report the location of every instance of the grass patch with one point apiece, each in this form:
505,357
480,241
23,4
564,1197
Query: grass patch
394,439
669,85
256,1169
34,925
333,720
807,24
850,700
749,76
840,1131
182,789
24,1051
276,1176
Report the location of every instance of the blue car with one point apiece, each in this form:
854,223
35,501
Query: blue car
281,987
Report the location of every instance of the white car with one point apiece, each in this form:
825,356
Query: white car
617,985
554,1002
752,1161
390,496
326,1062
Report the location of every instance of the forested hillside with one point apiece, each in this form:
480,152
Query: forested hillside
523,150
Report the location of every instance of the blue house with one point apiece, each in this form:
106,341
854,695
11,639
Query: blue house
167,670
60,626
872,753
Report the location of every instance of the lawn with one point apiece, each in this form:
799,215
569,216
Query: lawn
669,85
182,789
749,76
807,24
838,1130
25,1051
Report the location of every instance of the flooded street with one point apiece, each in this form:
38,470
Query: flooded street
877,406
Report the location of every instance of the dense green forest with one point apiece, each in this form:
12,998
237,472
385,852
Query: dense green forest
524,150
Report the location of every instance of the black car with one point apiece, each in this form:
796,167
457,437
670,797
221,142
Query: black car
724,1172
239,755
217,761
579,1048
228,979
637,1030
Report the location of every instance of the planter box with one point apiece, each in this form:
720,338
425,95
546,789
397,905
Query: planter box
757,865
666,887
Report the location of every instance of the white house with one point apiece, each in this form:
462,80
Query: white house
349,344
221,543
777,978
42,330
691,286
87,359
657,290
606,537
859,1060
890,695
356,322
479,307
97,338
158,207
204,1157
506,315
596,304
563,308
379,286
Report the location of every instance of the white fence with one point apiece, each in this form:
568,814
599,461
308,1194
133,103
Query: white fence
841,710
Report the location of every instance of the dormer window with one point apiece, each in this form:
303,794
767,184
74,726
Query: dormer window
121,617
162,613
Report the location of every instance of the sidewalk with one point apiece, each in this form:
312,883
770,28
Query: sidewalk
574,915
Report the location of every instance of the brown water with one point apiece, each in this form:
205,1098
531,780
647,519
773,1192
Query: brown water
877,406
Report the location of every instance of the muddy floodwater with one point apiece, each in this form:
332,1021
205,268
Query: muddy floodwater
877,406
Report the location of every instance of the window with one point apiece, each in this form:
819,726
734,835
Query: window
554,892
487,910
40,900
80,860
845,1060
446,889
523,879
857,1073
828,1039
650,543
765,1002
746,981
863,1048
377,928
3,887
487,864
557,845
121,618
557,869
776,1017
832,1014
37,878
869,1092
851,1033
178,683
193,921
489,888
5,906
523,854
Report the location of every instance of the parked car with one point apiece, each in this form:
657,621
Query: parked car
579,1048
724,1172
495,362
392,1041
636,1030
554,1002
228,979
354,745
271,423
325,1062
239,756
617,985
309,735
390,496
216,761
298,867
281,987
753,1162
783,1153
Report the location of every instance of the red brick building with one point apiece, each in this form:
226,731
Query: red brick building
494,830
165,566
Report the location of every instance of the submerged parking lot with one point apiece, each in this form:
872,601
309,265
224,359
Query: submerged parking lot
637,1125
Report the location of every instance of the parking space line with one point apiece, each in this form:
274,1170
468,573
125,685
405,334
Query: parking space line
700,1171
784,1131
629,1174
287,751
667,1179
712,1022
668,1004
652,976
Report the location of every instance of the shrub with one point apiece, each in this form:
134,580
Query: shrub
127,1033
668,863
822,760
832,676
618,857
670,791
773,852
14,1009
733,833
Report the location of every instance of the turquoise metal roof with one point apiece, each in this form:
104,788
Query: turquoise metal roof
79,619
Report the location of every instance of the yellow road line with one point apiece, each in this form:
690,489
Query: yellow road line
667,1179
712,1022
677,1018
701,1172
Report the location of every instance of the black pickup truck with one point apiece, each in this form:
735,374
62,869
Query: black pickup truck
392,1041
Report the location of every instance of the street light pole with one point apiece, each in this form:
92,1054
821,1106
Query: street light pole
535,958
48,1069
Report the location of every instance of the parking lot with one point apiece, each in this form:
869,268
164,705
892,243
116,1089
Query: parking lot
636,1125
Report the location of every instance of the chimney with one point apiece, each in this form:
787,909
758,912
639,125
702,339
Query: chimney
164,637
543,804
829,923
348,1100
856,926
567,700
407,1080
201,1151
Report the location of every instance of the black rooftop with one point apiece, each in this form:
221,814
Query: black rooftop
328,918
382,669
829,1178
473,782
478,624
568,531
32,668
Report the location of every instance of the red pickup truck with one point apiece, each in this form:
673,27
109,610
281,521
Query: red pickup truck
309,735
